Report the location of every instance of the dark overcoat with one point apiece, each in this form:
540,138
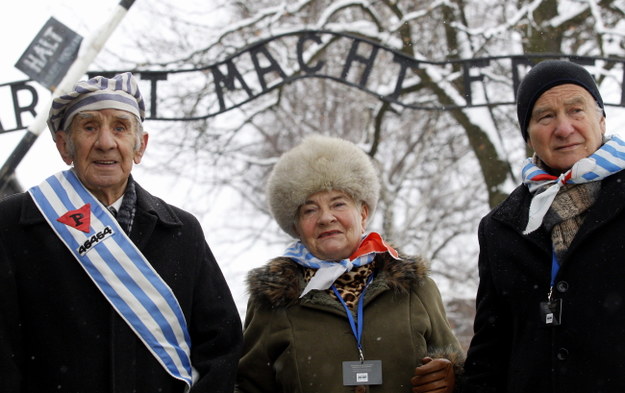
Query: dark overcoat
59,334
298,345
513,350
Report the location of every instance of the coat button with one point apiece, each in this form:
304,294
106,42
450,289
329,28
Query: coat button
562,286
563,354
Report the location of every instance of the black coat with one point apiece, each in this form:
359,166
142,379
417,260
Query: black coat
59,334
513,351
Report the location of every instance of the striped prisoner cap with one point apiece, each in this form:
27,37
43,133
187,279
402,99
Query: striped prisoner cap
120,92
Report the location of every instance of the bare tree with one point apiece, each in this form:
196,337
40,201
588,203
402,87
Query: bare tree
441,169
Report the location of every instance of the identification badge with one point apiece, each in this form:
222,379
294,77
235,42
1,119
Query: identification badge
368,372
551,312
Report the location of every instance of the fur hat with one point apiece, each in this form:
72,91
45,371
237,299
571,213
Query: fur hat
545,75
120,92
320,163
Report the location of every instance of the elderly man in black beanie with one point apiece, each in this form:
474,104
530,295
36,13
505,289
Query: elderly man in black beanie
103,287
551,299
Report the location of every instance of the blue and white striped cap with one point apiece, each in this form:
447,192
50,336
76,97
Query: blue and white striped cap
120,92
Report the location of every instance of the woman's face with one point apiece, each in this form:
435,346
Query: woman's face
331,224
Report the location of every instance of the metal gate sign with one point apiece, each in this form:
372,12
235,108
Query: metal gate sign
49,56
263,66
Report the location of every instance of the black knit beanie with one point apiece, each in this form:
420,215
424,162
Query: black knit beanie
545,75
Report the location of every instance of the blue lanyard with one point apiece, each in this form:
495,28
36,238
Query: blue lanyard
555,267
356,329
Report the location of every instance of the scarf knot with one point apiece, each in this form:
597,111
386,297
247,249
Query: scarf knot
329,271
607,160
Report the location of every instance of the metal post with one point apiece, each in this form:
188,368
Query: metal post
73,75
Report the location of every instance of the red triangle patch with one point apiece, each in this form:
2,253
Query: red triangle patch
79,218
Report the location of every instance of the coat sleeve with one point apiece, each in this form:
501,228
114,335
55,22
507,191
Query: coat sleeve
487,357
441,340
256,368
10,354
216,334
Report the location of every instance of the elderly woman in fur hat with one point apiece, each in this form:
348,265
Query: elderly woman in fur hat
340,310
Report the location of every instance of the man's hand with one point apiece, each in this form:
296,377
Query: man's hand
435,375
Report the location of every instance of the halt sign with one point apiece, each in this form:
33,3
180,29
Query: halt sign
50,54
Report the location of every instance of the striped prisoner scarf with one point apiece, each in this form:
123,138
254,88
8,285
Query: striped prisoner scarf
607,160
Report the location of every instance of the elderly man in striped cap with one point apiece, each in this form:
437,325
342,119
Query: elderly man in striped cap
103,286
551,299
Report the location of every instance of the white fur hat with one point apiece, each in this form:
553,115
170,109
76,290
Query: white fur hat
320,163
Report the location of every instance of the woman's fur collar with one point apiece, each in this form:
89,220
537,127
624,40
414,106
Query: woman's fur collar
281,281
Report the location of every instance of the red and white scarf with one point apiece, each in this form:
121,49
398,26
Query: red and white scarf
329,271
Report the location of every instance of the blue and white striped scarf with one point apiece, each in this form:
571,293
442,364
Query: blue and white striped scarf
119,270
607,160
329,271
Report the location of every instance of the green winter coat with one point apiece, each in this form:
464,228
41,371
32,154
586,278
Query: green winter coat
294,345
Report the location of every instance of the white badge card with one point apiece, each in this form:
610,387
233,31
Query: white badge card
368,372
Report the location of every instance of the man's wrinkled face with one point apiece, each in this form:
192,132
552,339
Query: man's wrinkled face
103,146
566,126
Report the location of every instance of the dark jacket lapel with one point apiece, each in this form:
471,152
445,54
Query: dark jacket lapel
514,212
150,210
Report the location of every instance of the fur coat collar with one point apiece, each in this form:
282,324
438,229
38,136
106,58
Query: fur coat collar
280,282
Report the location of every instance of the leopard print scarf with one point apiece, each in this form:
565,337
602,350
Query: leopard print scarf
350,284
